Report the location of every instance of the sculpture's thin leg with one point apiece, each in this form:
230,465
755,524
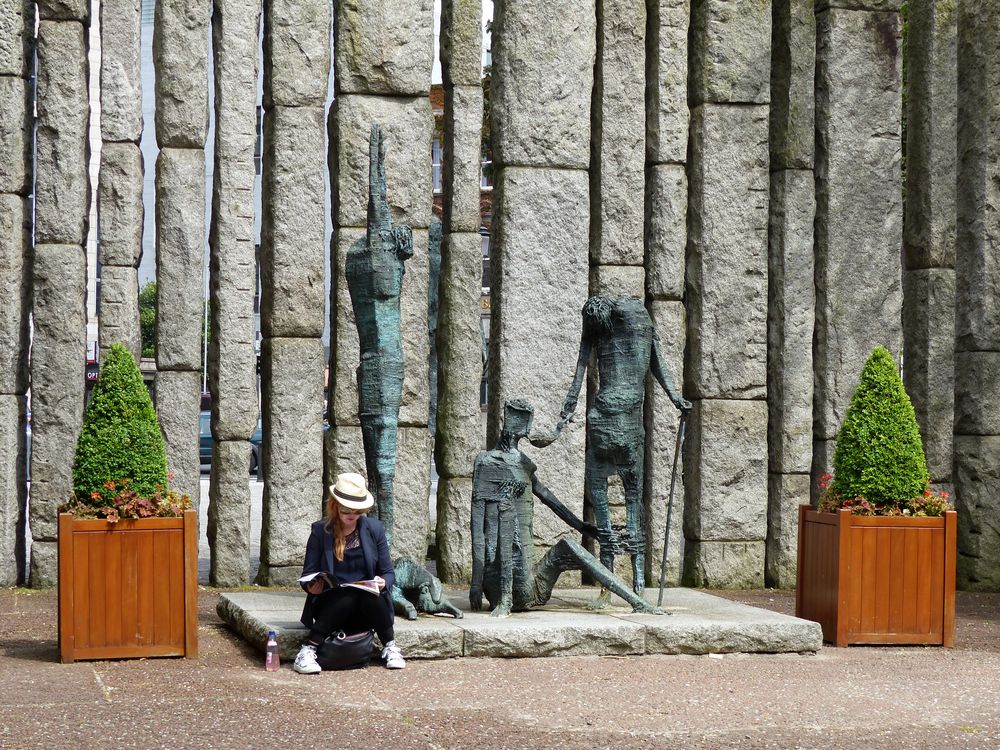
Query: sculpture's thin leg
569,555
507,534
635,520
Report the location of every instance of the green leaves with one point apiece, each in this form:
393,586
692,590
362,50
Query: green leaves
879,454
121,436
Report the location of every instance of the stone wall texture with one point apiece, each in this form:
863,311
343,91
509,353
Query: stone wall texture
977,317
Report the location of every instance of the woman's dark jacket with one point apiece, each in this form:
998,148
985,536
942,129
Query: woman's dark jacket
319,557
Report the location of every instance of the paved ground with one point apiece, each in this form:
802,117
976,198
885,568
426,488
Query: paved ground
840,698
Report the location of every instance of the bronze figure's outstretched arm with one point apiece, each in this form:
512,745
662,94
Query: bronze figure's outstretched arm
658,367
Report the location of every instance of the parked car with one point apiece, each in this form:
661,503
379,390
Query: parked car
205,445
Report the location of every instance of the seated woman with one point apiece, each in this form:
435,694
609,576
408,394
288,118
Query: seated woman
350,547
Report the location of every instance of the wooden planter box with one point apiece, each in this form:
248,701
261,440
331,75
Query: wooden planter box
877,579
128,589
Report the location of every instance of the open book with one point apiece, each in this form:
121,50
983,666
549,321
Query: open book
370,585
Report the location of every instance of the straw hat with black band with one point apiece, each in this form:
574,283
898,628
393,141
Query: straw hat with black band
351,491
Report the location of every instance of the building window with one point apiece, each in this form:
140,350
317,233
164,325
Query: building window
436,152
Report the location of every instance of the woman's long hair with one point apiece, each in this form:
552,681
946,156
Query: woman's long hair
332,522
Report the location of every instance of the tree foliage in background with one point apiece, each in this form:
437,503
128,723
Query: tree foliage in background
147,319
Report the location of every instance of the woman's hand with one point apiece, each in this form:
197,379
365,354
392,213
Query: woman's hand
380,581
315,587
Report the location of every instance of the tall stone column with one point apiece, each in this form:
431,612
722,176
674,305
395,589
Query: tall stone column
858,205
296,70
929,228
232,285
543,63
180,58
383,58
15,279
459,434
791,295
977,291
62,197
725,513
666,189
119,200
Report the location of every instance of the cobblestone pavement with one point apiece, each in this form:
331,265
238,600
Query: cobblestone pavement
886,697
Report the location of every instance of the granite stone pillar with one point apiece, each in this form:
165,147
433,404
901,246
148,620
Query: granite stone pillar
977,290
180,59
858,205
62,195
383,58
119,201
296,72
725,465
232,285
15,281
929,228
459,434
542,90
666,200
791,295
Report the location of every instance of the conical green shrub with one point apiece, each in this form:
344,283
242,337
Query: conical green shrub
879,454
121,436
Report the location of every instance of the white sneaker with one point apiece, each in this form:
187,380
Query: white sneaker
305,660
392,656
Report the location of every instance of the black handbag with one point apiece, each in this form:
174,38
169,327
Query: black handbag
343,651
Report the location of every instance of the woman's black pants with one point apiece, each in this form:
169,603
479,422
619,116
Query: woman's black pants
352,611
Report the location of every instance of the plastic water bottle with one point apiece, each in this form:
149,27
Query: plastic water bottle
271,661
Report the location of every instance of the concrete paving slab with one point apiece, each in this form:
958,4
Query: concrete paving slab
698,623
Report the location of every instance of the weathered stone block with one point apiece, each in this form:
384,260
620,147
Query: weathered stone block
858,4
119,305
119,204
44,568
791,315
662,420
977,393
178,404
786,492
977,263
64,10
543,68
411,488
121,70
62,184
724,565
384,49
292,399
463,117
229,514
454,533
857,203
726,472
345,349
618,121
180,57
666,231
667,81
13,488
407,125
15,37
293,223
726,288
929,370
977,500
536,301
180,255
793,69
460,434
730,51
618,281
59,347
296,52
15,290
931,132
461,42
15,135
